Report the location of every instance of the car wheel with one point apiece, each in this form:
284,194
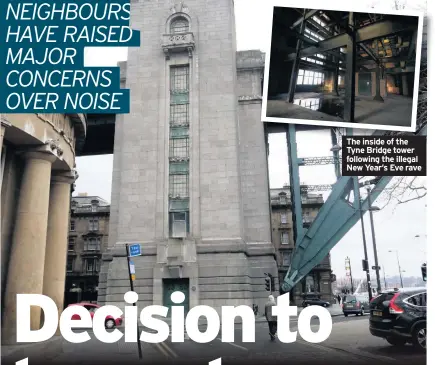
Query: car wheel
395,341
419,337
345,314
110,323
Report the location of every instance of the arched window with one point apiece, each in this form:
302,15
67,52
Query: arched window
179,25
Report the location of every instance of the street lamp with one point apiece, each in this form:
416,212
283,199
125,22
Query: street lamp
366,259
375,251
398,264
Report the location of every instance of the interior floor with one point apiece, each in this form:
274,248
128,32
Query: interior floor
395,110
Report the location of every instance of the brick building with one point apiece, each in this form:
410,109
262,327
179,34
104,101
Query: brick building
87,240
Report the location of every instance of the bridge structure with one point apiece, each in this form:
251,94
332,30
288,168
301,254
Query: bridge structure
340,212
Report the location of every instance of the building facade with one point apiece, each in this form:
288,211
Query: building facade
320,278
37,173
188,185
87,241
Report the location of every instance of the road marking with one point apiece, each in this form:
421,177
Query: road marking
171,352
162,350
233,344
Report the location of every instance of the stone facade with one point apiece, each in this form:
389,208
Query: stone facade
211,233
320,278
87,241
37,172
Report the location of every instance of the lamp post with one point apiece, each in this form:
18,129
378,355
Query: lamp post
375,251
369,287
348,266
385,281
398,264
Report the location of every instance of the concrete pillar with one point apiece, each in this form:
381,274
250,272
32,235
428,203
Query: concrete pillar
405,89
26,263
57,238
378,96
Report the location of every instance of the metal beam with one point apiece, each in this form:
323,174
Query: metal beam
335,218
315,161
305,17
399,70
366,61
311,188
349,96
367,33
295,188
369,52
295,66
309,41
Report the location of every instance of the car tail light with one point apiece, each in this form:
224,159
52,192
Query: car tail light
394,308
358,305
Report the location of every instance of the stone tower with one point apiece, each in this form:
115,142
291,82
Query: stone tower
190,169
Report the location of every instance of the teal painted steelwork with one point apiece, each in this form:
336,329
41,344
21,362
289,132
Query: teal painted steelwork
295,186
336,217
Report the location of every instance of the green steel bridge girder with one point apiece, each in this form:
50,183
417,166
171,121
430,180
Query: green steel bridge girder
335,218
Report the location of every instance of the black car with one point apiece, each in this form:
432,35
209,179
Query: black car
314,300
399,316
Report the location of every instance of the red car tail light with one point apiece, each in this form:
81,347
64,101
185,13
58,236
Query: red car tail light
358,304
394,308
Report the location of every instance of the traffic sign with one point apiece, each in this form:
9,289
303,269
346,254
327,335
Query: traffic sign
134,250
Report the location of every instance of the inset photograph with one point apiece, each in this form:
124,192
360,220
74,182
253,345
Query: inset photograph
343,68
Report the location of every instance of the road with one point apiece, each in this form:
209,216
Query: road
349,343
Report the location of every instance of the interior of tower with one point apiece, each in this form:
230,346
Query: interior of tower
343,67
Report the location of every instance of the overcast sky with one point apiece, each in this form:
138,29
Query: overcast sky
395,226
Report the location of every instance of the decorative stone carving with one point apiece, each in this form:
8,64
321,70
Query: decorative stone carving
181,7
184,7
181,42
178,159
250,97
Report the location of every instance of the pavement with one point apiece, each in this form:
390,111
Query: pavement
349,343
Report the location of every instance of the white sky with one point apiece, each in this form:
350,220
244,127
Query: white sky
396,226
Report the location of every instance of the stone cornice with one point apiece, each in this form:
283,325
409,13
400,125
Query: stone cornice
80,128
66,177
250,98
4,121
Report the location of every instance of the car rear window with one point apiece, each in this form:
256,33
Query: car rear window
383,297
349,299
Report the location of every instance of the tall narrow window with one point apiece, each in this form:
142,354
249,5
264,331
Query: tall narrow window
72,226
70,264
283,218
71,243
284,238
179,151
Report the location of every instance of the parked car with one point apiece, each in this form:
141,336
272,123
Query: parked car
355,304
314,300
110,322
399,316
